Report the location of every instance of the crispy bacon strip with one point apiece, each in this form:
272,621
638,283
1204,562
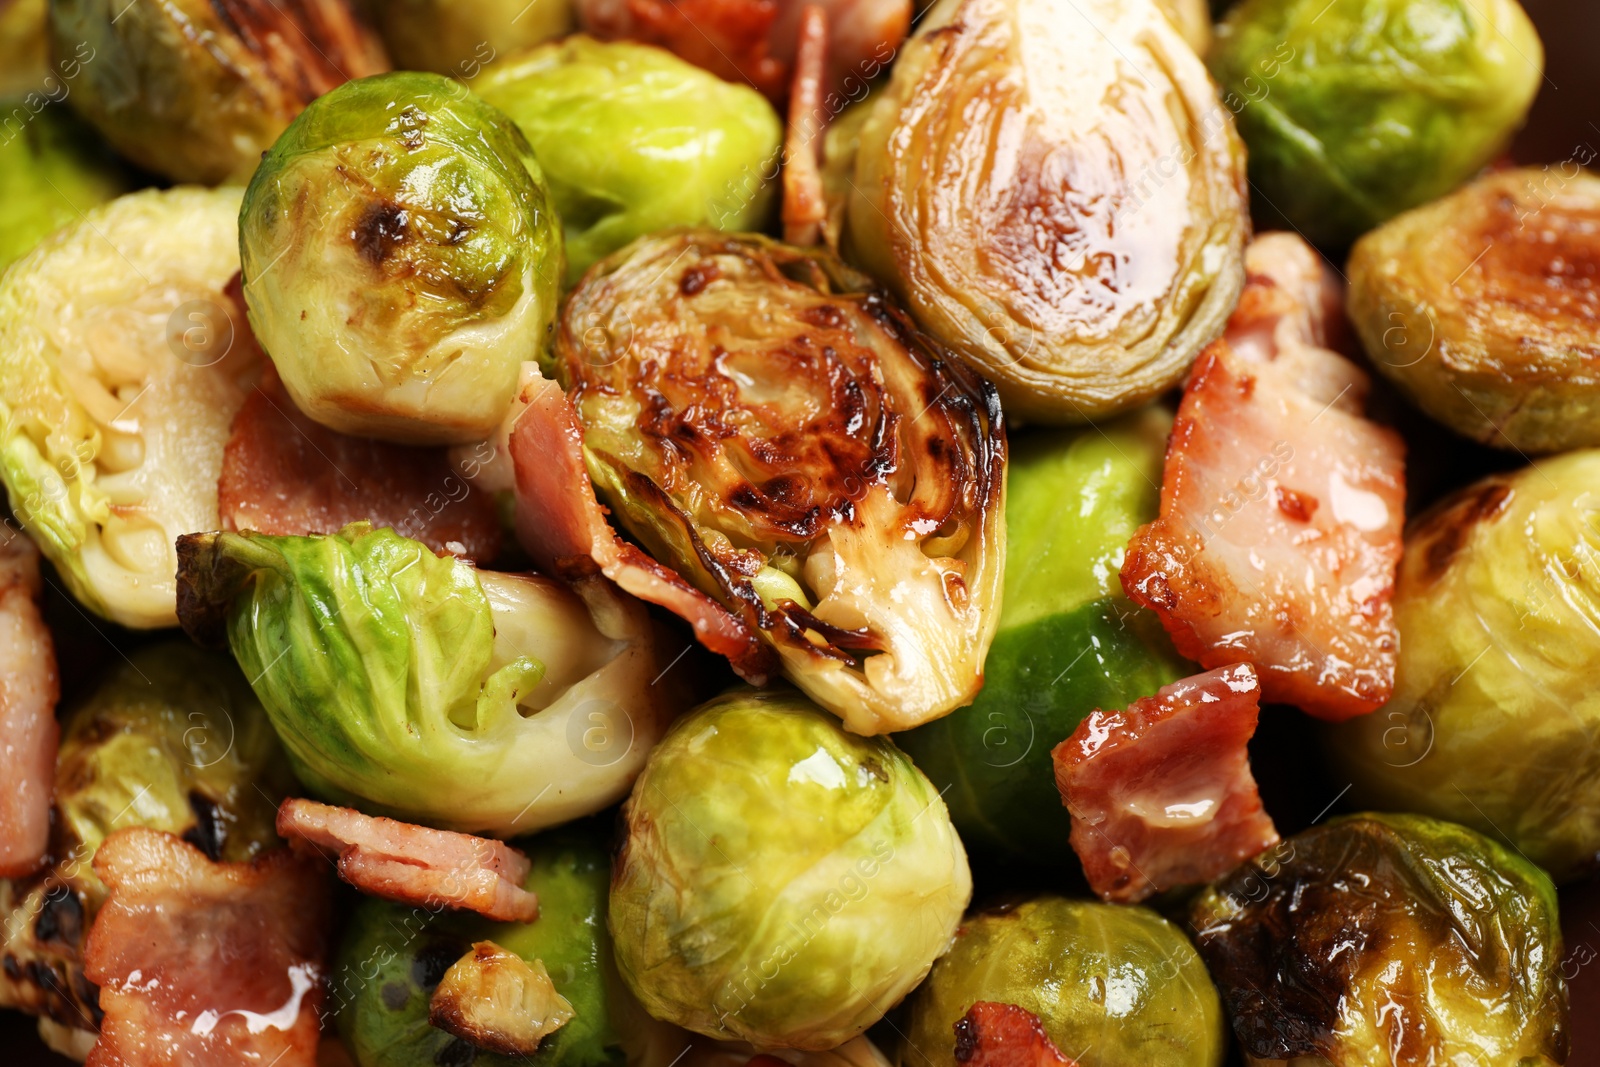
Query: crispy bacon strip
804,210
29,689
756,41
203,963
414,864
564,529
1005,1035
1281,505
1161,794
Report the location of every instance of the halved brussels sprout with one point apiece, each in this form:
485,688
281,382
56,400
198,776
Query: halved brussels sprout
119,378
1494,717
461,37
52,169
415,686
1112,985
1068,641
393,957
782,882
1355,110
1388,940
401,260
1193,19
196,90
785,438
174,740
1479,307
1053,188
634,140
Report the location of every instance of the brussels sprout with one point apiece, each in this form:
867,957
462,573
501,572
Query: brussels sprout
52,169
195,90
390,673
1388,940
458,37
401,260
1119,983
173,739
24,46
758,418
1479,307
1068,640
634,140
782,882
393,957
1494,714
1355,110
119,378
1053,188
1193,19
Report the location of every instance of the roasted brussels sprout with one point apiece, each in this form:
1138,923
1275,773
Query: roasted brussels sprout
1479,307
1053,188
1193,19
1355,110
393,957
52,168
173,739
782,882
460,37
119,376
412,685
634,140
1121,984
24,47
1068,640
1388,940
196,91
1494,713
401,260
796,449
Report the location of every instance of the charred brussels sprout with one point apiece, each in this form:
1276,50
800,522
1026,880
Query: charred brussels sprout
782,882
790,443
173,740
52,168
197,91
119,378
401,260
1355,110
413,685
1480,307
393,957
1068,640
1055,191
458,37
634,140
1120,983
1387,940
1494,714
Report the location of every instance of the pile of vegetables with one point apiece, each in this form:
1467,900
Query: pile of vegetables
746,532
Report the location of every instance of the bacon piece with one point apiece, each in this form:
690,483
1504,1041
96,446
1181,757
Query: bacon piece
283,473
564,528
414,864
1161,794
1281,505
203,963
29,689
804,210
756,41
1005,1035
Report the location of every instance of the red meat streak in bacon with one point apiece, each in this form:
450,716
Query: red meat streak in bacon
756,41
202,963
564,529
804,210
1281,505
29,689
1005,1035
1161,794
414,864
